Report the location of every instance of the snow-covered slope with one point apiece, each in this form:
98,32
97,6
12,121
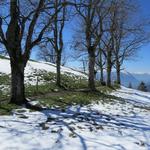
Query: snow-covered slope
34,65
115,125
134,96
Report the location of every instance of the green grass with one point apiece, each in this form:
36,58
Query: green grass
6,108
34,90
3,57
71,82
4,79
68,82
74,98
62,99
3,96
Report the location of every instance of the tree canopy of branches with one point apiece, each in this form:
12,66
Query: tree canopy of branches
91,14
21,29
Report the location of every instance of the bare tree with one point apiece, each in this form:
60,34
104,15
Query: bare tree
108,40
46,53
101,62
129,35
25,28
56,40
91,14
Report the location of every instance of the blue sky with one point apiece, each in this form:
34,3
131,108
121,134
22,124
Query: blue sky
141,63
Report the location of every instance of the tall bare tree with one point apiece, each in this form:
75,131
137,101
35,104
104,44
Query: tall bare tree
91,14
101,62
129,34
108,39
56,40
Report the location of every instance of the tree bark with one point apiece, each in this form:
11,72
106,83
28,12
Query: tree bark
118,72
58,64
91,80
101,69
102,76
109,68
17,83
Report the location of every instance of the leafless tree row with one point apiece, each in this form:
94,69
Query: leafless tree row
112,36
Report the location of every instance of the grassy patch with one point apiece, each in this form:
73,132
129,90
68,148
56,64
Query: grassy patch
46,82
51,95
74,98
4,79
6,108
70,81
3,96
34,90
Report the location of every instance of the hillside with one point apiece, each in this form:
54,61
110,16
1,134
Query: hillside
40,77
33,66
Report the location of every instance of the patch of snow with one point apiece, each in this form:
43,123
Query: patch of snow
134,96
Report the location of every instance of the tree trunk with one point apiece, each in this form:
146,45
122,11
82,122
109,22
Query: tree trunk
58,64
118,72
102,76
91,83
101,69
109,68
17,83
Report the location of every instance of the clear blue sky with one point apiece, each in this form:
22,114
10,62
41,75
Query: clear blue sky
142,62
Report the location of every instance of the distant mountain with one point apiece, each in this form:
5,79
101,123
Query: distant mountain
133,78
145,77
127,78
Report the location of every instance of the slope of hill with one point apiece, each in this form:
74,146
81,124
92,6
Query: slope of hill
35,65
40,77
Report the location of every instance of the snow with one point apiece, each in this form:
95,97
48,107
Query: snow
134,96
5,66
115,125
34,65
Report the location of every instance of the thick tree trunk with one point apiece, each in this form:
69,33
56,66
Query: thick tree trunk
58,76
17,83
118,72
109,65
91,80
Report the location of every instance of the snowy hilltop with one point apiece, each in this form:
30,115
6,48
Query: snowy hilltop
33,66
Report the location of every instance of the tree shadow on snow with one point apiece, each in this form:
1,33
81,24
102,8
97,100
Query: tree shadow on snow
75,118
